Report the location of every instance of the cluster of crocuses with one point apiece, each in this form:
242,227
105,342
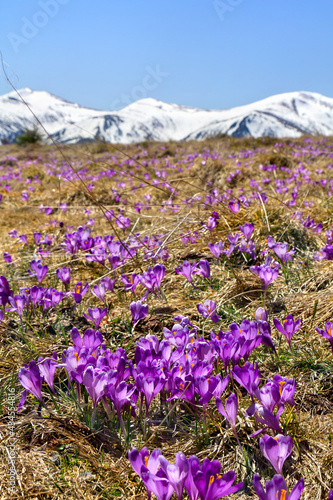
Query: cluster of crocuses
102,248
151,280
163,478
40,298
205,481
245,243
179,367
247,247
46,298
326,253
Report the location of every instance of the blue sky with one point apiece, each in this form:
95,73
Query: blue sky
203,53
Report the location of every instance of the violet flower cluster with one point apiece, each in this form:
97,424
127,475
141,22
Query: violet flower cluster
163,478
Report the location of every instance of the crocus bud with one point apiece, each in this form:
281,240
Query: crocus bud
261,314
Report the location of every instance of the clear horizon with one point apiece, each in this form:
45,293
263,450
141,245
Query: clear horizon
214,55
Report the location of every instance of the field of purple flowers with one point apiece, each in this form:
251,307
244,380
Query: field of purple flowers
166,320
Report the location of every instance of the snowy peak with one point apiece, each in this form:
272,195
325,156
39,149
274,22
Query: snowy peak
284,115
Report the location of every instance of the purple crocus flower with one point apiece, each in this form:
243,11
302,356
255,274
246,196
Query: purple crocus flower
31,379
141,462
36,294
99,291
138,311
276,450
159,271
108,283
247,247
152,279
327,333
289,327
204,269
39,269
177,336
13,233
24,239
47,368
7,258
276,489
158,484
5,291
114,261
217,249
281,250
149,386
261,314
234,206
187,270
267,272
265,417
330,495
211,485
75,362
248,377
208,310
120,396
287,388
247,230
131,282
18,302
95,382
229,411
207,387
95,315
37,237
190,487
79,292
233,239
212,221
176,473
64,274
90,341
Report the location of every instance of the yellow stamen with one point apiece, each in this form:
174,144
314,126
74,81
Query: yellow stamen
283,495
77,356
281,384
146,461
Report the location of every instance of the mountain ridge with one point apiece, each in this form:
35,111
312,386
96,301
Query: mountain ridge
283,115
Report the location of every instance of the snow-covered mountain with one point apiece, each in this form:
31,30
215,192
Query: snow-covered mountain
284,115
